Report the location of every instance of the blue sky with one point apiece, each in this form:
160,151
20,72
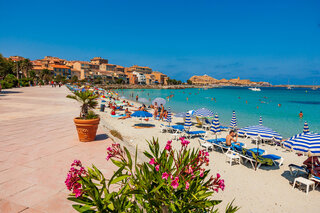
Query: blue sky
273,41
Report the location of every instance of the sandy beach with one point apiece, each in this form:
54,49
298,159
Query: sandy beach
265,190
38,135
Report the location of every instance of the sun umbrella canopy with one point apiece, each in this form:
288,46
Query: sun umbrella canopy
203,113
233,123
306,128
260,121
159,101
141,114
261,131
143,100
215,125
304,142
188,122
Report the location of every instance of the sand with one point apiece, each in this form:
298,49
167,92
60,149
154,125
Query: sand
265,190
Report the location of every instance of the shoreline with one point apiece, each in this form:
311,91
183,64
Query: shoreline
241,180
129,86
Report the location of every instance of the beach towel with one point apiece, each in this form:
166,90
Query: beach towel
117,116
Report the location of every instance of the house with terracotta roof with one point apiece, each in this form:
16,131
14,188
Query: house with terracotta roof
62,70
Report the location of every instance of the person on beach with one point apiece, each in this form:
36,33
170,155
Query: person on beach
313,164
161,109
127,114
137,97
155,112
301,114
231,137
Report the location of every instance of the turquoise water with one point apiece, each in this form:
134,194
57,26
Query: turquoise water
284,119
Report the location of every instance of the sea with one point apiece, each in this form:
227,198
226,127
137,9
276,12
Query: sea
278,107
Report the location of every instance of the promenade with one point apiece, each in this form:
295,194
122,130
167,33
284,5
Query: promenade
38,142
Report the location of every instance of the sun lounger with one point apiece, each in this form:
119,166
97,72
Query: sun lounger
232,156
316,179
205,144
295,169
190,134
199,123
265,159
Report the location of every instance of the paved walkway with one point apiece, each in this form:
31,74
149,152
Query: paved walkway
38,142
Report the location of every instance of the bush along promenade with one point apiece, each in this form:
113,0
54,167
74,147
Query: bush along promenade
170,181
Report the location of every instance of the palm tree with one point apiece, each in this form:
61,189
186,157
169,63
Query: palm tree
46,75
26,65
87,99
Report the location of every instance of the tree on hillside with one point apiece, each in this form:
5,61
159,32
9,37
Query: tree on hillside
174,82
6,67
189,82
26,66
46,75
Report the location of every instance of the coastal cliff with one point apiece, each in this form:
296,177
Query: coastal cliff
208,80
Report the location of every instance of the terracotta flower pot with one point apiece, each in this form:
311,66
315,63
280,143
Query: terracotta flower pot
87,129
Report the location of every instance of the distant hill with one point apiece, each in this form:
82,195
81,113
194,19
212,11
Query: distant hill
208,80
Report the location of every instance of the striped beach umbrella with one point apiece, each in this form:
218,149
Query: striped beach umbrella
169,116
159,101
187,122
305,143
203,113
306,128
215,125
260,121
233,123
261,131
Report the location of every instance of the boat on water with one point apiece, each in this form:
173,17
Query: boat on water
289,87
255,89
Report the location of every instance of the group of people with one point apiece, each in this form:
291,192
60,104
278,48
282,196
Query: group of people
159,111
54,84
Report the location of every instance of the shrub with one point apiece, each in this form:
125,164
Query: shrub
11,80
116,134
172,181
6,85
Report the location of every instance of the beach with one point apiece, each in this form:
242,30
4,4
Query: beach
265,190
39,142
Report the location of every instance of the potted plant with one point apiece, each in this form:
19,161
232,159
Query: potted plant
87,123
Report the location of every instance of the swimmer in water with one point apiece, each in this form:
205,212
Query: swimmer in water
246,102
279,105
187,99
301,114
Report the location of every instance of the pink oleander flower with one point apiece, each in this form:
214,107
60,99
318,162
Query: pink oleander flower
157,167
168,147
201,172
184,142
175,183
165,175
73,178
189,170
187,185
152,161
113,151
218,175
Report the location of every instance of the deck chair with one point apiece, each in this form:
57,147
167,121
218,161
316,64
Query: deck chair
189,134
316,179
205,144
295,169
199,122
206,125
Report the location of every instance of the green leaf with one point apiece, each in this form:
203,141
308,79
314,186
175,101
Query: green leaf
129,157
116,180
83,209
82,200
117,163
